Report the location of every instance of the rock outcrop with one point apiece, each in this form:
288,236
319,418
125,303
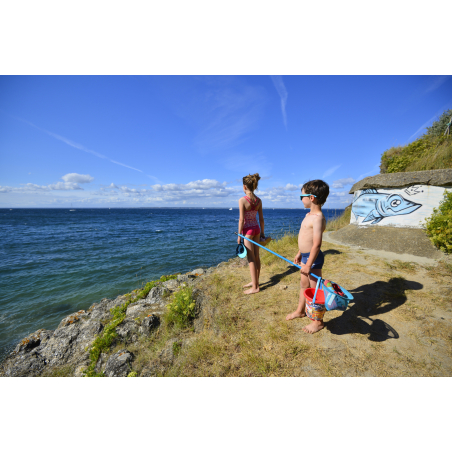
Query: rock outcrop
68,346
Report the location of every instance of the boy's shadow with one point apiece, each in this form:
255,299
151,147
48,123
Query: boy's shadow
370,300
325,253
275,279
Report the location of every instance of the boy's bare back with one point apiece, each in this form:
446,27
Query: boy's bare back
311,223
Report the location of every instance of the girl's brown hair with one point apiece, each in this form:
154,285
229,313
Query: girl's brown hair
251,181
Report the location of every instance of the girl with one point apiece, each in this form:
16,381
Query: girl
249,206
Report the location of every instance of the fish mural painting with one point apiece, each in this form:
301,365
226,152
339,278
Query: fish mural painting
371,207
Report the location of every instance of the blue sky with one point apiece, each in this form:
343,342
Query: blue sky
154,141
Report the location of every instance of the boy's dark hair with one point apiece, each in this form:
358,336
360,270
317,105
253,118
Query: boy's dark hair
319,188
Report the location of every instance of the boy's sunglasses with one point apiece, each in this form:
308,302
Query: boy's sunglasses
302,196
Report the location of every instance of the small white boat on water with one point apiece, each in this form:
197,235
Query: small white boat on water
230,208
71,209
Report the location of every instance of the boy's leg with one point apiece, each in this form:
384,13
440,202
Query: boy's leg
316,324
301,309
252,263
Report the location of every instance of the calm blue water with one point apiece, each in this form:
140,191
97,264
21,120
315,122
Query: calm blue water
54,261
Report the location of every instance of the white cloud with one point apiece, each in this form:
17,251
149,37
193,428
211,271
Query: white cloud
291,187
41,188
280,87
330,171
78,178
341,183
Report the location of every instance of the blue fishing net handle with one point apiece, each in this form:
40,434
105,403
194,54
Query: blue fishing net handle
319,279
276,254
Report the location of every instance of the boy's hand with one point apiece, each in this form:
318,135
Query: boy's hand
239,240
305,269
297,259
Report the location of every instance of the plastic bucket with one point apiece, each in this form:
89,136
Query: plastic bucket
319,299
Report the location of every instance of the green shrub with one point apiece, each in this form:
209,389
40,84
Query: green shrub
439,224
181,311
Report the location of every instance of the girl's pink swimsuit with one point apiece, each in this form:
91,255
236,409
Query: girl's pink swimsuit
251,226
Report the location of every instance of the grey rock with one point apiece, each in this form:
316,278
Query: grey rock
157,294
127,329
185,278
149,324
172,284
101,311
32,341
119,364
101,362
69,344
142,306
440,178
197,272
75,317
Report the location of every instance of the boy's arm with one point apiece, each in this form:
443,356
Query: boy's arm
317,233
241,218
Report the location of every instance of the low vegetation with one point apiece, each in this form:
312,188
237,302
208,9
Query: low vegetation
431,151
181,311
340,221
439,224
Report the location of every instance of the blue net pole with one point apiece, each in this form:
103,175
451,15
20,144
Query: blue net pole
276,254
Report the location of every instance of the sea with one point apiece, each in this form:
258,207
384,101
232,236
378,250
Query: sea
54,262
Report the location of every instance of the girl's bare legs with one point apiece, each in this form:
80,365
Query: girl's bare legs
252,252
305,283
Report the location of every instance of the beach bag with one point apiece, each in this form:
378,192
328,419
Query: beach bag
332,296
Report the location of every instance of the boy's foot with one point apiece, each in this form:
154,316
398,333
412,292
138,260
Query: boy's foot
250,291
248,285
313,327
295,315
266,241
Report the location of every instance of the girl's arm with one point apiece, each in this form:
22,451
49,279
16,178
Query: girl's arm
241,218
261,219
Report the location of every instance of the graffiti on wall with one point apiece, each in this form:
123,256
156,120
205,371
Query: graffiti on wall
395,207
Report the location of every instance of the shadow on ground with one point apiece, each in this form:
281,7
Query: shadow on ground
331,252
275,279
372,300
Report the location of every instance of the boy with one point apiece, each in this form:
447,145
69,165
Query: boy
309,256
